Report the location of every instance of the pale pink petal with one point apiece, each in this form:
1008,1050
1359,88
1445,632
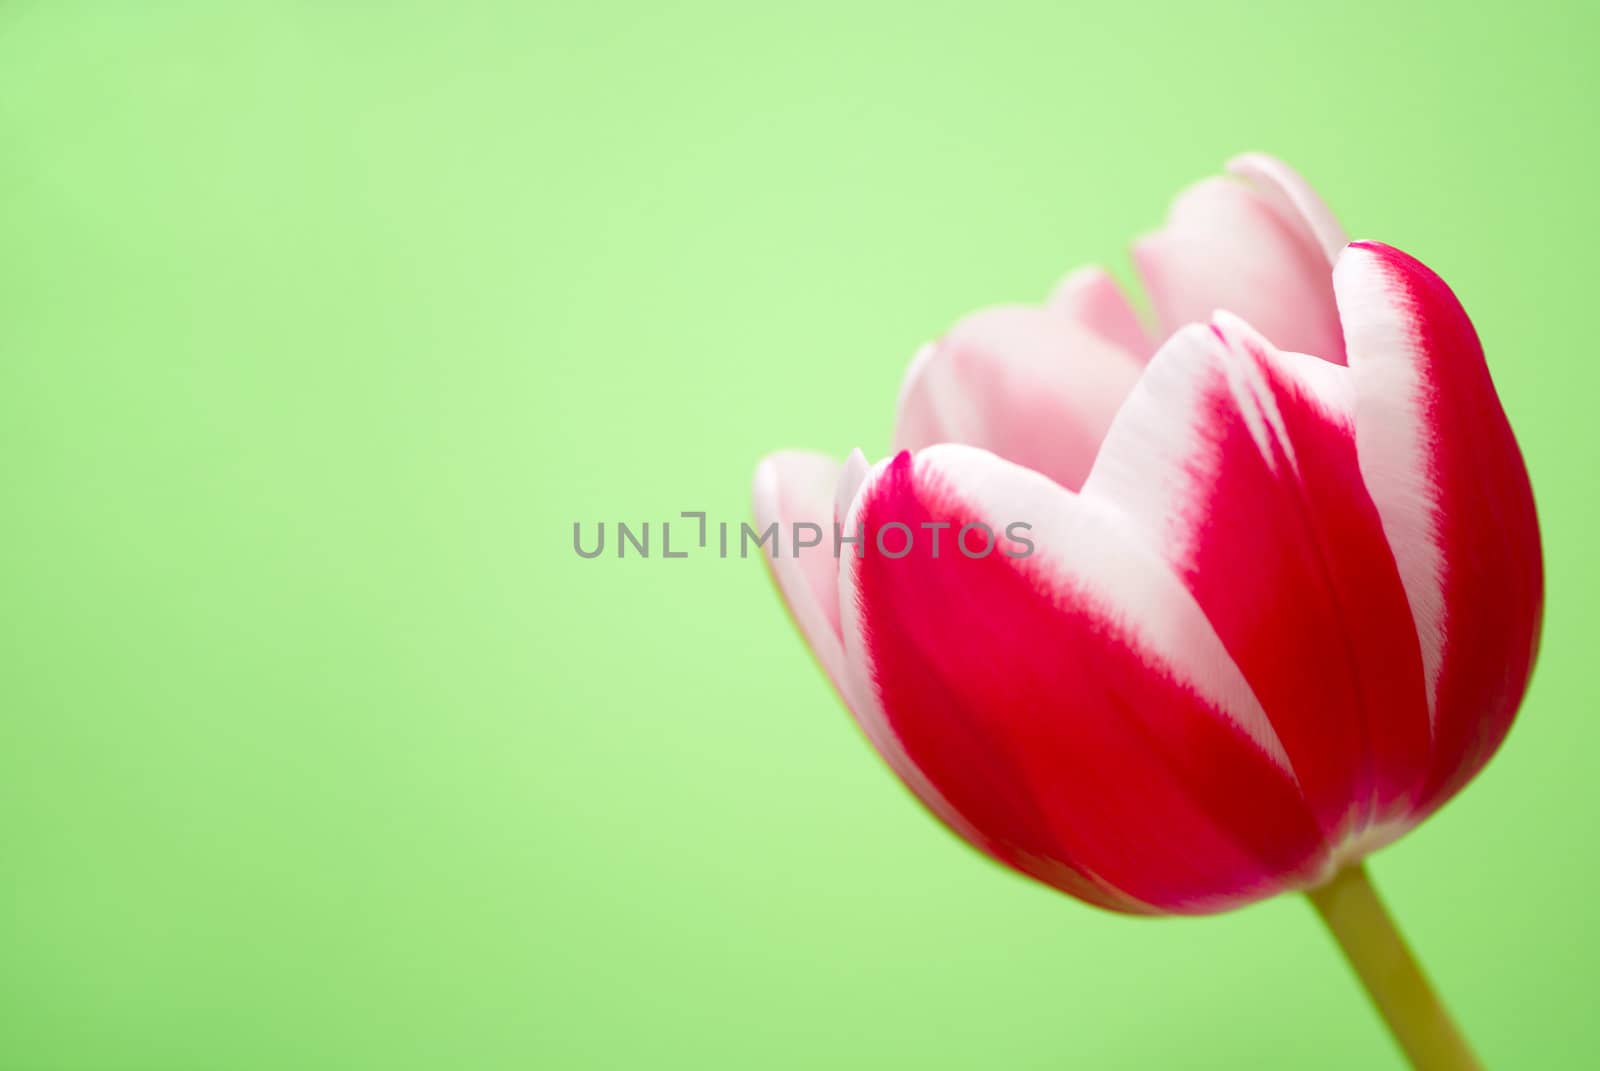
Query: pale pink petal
850,480
1292,196
798,486
1026,383
1228,246
1094,299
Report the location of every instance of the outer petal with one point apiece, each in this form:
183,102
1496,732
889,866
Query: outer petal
1071,707
1258,248
1239,463
1448,480
798,486
1027,383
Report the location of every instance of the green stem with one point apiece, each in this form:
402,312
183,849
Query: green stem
1398,988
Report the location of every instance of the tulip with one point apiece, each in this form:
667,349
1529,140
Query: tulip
1283,592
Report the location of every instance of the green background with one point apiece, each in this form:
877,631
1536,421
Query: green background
321,324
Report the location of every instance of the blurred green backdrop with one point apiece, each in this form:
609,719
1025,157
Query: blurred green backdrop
321,324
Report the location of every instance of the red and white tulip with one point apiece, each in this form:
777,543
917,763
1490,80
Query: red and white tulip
1285,588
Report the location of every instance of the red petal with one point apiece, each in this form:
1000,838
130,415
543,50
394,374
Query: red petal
1448,480
1239,463
1071,707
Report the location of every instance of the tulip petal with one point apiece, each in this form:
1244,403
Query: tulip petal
1238,463
1250,249
802,487
799,486
1026,383
1072,706
851,477
1448,480
1092,297
1293,198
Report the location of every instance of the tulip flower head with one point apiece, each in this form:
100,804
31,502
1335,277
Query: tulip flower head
1283,585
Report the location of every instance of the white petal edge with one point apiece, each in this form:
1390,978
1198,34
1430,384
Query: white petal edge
800,485
1391,444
